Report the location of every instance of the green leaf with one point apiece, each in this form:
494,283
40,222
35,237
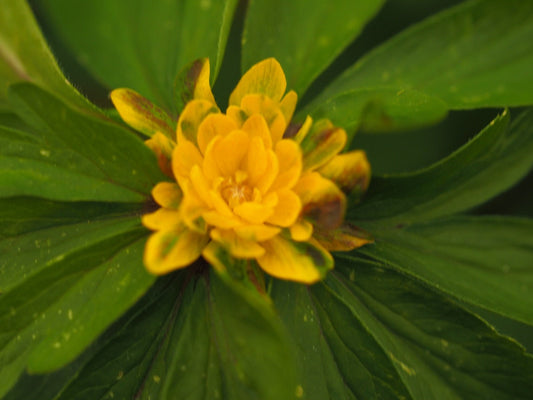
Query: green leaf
61,287
193,337
478,54
74,157
304,36
338,357
485,261
492,162
24,56
440,350
142,44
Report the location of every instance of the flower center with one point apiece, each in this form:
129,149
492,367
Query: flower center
235,191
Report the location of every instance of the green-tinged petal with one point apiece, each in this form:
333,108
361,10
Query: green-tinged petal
305,262
141,114
163,218
265,77
192,116
322,143
262,104
236,245
323,202
258,233
167,194
169,250
193,83
344,238
350,171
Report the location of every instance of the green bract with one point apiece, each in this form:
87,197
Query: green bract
80,318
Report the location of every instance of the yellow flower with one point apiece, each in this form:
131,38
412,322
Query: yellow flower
243,185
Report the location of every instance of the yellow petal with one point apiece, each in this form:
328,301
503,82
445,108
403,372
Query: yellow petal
192,207
323,202
265,77
192,82
139,113
257,160
269,109
322,143
258,233
167,194
185,156
192,116
305,262
288,105
350,171
237,114
255,213
166,251
290,164
344,238
213,125
265,182
162,218
229,151
218,220
301,231
201,185
287,210
237,246
257,126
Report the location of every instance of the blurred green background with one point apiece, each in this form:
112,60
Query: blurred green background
395,152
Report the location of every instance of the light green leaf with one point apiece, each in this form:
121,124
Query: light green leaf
478,54
338,357
24,56
485,261
440,350
74,157
492,162
142,44
304,36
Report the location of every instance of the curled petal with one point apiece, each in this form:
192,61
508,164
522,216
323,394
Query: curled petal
269,110
192,116
290,164
265,77
162,218
167,194
214,125
257,126
350,171
168,250
301,231
322,143
229,151
287,209
323,202
344,238
141,114
185,156
252,212
305,262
